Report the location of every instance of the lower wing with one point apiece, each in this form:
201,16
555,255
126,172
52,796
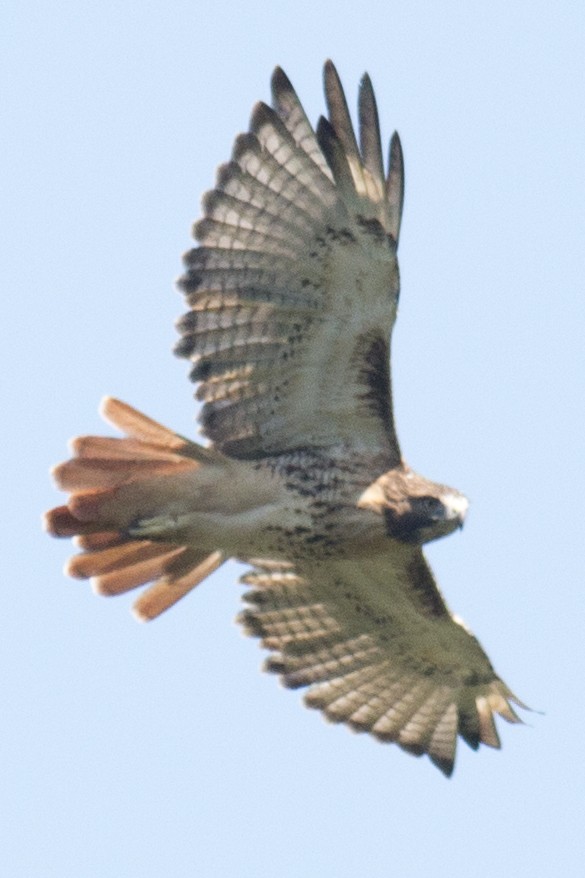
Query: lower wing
377,654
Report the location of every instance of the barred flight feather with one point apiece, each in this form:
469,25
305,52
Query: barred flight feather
256,172
212,233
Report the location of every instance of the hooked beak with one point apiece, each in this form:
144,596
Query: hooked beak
456,506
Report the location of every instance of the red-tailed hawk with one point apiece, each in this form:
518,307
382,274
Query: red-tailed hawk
292,294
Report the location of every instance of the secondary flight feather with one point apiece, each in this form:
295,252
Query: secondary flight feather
292,294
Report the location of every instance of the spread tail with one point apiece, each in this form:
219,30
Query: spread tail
113,483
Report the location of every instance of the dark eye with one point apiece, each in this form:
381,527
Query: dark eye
430,506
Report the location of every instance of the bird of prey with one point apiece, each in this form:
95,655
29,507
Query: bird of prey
292,294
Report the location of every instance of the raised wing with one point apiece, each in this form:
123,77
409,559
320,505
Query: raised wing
294,286
380,651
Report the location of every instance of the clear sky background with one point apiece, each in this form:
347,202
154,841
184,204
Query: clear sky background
134,751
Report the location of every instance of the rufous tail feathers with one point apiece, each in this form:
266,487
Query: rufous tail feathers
112,483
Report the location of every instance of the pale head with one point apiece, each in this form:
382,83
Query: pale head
415,510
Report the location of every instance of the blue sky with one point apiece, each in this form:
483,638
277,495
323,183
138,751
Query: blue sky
148,750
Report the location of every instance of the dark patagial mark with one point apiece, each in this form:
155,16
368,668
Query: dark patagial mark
425,588
373,352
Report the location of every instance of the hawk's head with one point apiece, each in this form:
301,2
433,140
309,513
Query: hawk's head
415,510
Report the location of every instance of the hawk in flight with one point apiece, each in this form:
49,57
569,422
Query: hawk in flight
292,294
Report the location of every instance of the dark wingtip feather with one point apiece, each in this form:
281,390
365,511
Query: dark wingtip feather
246,142
338,110
261,115
395,185
370,140
274,664
468,728
250,623
335,155
446,766
280,83
329,71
